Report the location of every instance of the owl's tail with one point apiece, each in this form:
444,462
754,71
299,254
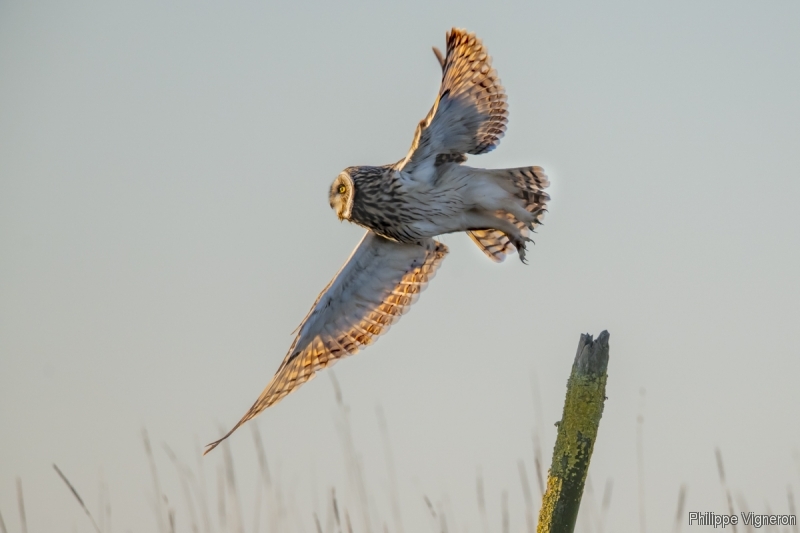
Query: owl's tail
526,184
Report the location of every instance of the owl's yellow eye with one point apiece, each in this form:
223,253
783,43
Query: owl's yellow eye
342,189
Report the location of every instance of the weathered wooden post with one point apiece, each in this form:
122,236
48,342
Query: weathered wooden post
577,432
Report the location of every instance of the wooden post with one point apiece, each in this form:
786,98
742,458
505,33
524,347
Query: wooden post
577,432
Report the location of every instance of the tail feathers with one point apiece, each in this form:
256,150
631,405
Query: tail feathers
528,185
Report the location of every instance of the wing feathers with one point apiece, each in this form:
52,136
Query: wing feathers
470,113
378,284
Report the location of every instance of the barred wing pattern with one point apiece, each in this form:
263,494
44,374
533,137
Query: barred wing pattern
470,113
377,285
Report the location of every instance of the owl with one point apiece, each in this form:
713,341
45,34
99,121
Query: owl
404,205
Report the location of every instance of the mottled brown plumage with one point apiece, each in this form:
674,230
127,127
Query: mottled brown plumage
404,205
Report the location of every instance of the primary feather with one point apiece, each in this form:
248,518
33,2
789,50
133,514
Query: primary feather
470,113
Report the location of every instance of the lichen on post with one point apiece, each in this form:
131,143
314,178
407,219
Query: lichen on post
577,432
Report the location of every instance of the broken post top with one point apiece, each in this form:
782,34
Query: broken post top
592,356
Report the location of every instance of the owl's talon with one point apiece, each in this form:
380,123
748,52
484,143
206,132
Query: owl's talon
519,244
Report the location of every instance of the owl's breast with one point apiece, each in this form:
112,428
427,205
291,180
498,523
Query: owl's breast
385,206
389,217
405,213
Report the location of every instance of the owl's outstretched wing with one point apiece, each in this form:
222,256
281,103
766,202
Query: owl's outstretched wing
470,113
373,289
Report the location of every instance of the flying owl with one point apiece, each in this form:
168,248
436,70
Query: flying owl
404,205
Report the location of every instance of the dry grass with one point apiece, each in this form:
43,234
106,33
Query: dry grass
269,510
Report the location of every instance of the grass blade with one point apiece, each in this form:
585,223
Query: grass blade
526,493
161,513
2,525
21,503
387,449
679,510
187,493
77,496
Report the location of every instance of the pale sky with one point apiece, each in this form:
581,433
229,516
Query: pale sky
164,226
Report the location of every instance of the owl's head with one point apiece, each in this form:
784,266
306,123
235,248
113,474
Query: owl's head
341,195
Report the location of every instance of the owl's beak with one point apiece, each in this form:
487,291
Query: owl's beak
333,208
338,207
